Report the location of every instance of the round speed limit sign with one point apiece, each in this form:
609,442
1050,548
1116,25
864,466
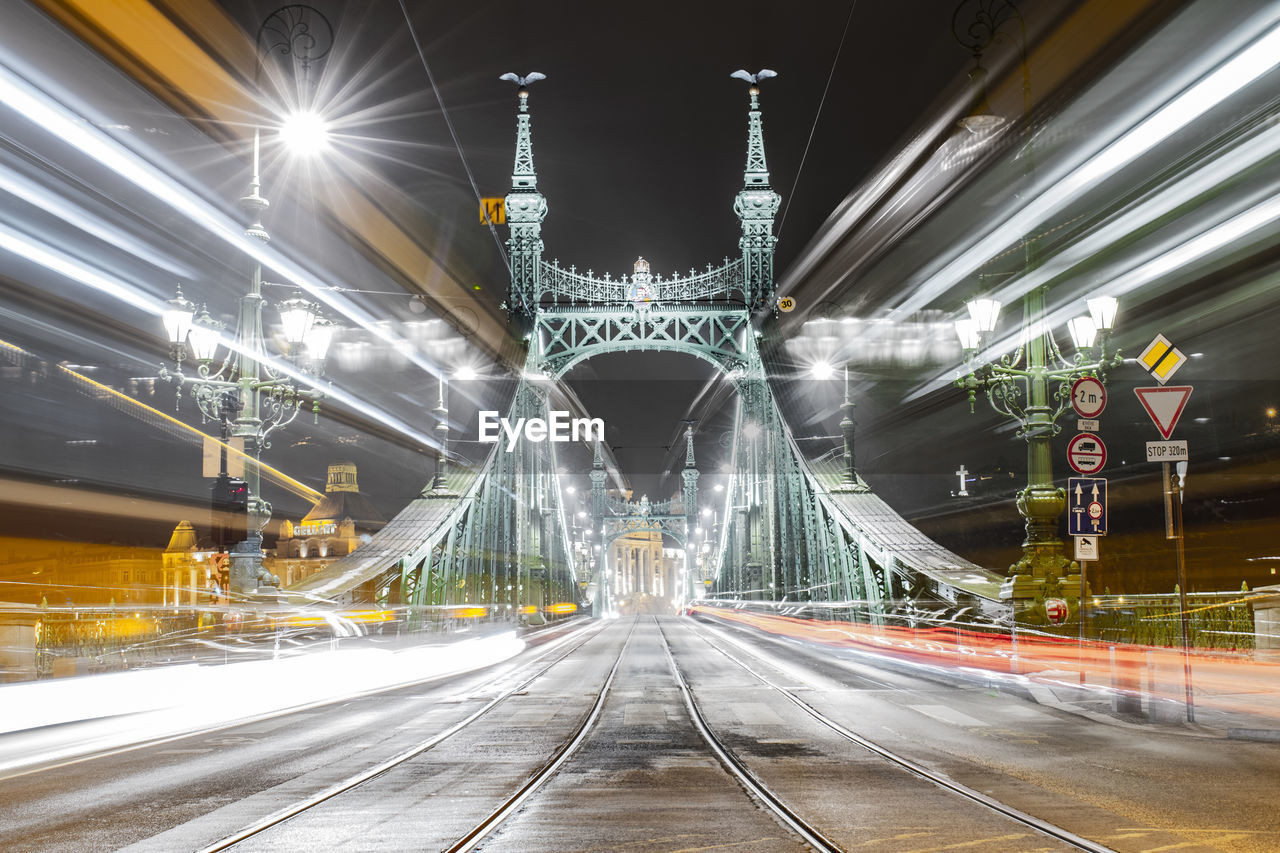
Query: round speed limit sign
786,305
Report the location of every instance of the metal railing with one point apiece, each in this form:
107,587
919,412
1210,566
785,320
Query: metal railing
560,285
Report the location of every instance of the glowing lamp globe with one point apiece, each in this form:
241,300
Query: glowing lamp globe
305,133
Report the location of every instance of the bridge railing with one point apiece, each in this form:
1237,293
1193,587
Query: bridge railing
1221,621
568,286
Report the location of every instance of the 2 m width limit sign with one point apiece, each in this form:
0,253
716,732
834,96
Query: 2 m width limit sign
1088,396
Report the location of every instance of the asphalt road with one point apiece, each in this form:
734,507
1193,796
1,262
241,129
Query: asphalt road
643,779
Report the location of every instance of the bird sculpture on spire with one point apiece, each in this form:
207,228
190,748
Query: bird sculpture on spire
531,77
753,79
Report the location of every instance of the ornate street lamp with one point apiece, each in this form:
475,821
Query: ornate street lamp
244,393
1032,385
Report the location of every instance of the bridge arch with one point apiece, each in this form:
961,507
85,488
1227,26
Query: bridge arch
565,337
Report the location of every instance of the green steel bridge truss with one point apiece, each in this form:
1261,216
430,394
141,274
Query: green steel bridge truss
794,529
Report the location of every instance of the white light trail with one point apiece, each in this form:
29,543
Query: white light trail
1198,247
29,102
1223,168
1258,58
37,196
49,258
52,259
144,705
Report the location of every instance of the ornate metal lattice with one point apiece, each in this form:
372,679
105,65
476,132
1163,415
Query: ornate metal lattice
560,286
565,336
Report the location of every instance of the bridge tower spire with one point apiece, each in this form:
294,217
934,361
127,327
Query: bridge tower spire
756,203
598,477
526,207
690,477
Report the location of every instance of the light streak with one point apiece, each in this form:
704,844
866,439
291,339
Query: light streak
274,474
58,262
1171,261
38,108
1224,680
1249,64
173,425
159,703
37,196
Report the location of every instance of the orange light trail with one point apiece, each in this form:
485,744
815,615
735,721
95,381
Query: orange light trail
1225,680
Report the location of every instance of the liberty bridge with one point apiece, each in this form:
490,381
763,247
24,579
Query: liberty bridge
832,678
795,529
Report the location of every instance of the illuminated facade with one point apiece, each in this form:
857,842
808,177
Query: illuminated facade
644,570
339,524
190,572
35,571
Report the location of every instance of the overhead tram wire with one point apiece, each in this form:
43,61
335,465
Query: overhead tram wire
813,129
475,188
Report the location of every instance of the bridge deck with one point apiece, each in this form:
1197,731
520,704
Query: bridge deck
893,534
403,534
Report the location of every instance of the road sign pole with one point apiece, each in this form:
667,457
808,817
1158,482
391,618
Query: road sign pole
1080,605
1175,489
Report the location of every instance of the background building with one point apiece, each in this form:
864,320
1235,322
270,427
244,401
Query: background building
644,572
341,522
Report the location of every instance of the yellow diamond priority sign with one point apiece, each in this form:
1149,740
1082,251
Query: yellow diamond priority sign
1162,359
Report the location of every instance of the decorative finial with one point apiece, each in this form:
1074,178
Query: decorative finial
523,83
754,80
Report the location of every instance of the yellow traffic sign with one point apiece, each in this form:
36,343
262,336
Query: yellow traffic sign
1162,359
493,211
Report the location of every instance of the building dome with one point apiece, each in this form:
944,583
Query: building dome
183,538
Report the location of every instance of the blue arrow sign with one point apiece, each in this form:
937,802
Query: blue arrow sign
1086,506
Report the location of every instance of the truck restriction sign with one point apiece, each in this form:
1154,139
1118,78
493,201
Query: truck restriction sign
1086,453
1088,397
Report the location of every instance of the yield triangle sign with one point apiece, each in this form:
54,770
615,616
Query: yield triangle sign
1164,405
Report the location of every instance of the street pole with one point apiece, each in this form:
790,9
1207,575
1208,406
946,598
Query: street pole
246,555
1080,605
1173,486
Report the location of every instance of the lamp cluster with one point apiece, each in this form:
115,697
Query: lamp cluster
1038,359
307,332
1084,330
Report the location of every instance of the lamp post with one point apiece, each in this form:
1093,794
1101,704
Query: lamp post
245,393
1032,386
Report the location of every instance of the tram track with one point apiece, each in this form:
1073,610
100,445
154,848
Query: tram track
739,769
787,817
513,803
941,780
282,816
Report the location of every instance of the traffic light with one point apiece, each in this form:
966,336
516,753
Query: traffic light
230,511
